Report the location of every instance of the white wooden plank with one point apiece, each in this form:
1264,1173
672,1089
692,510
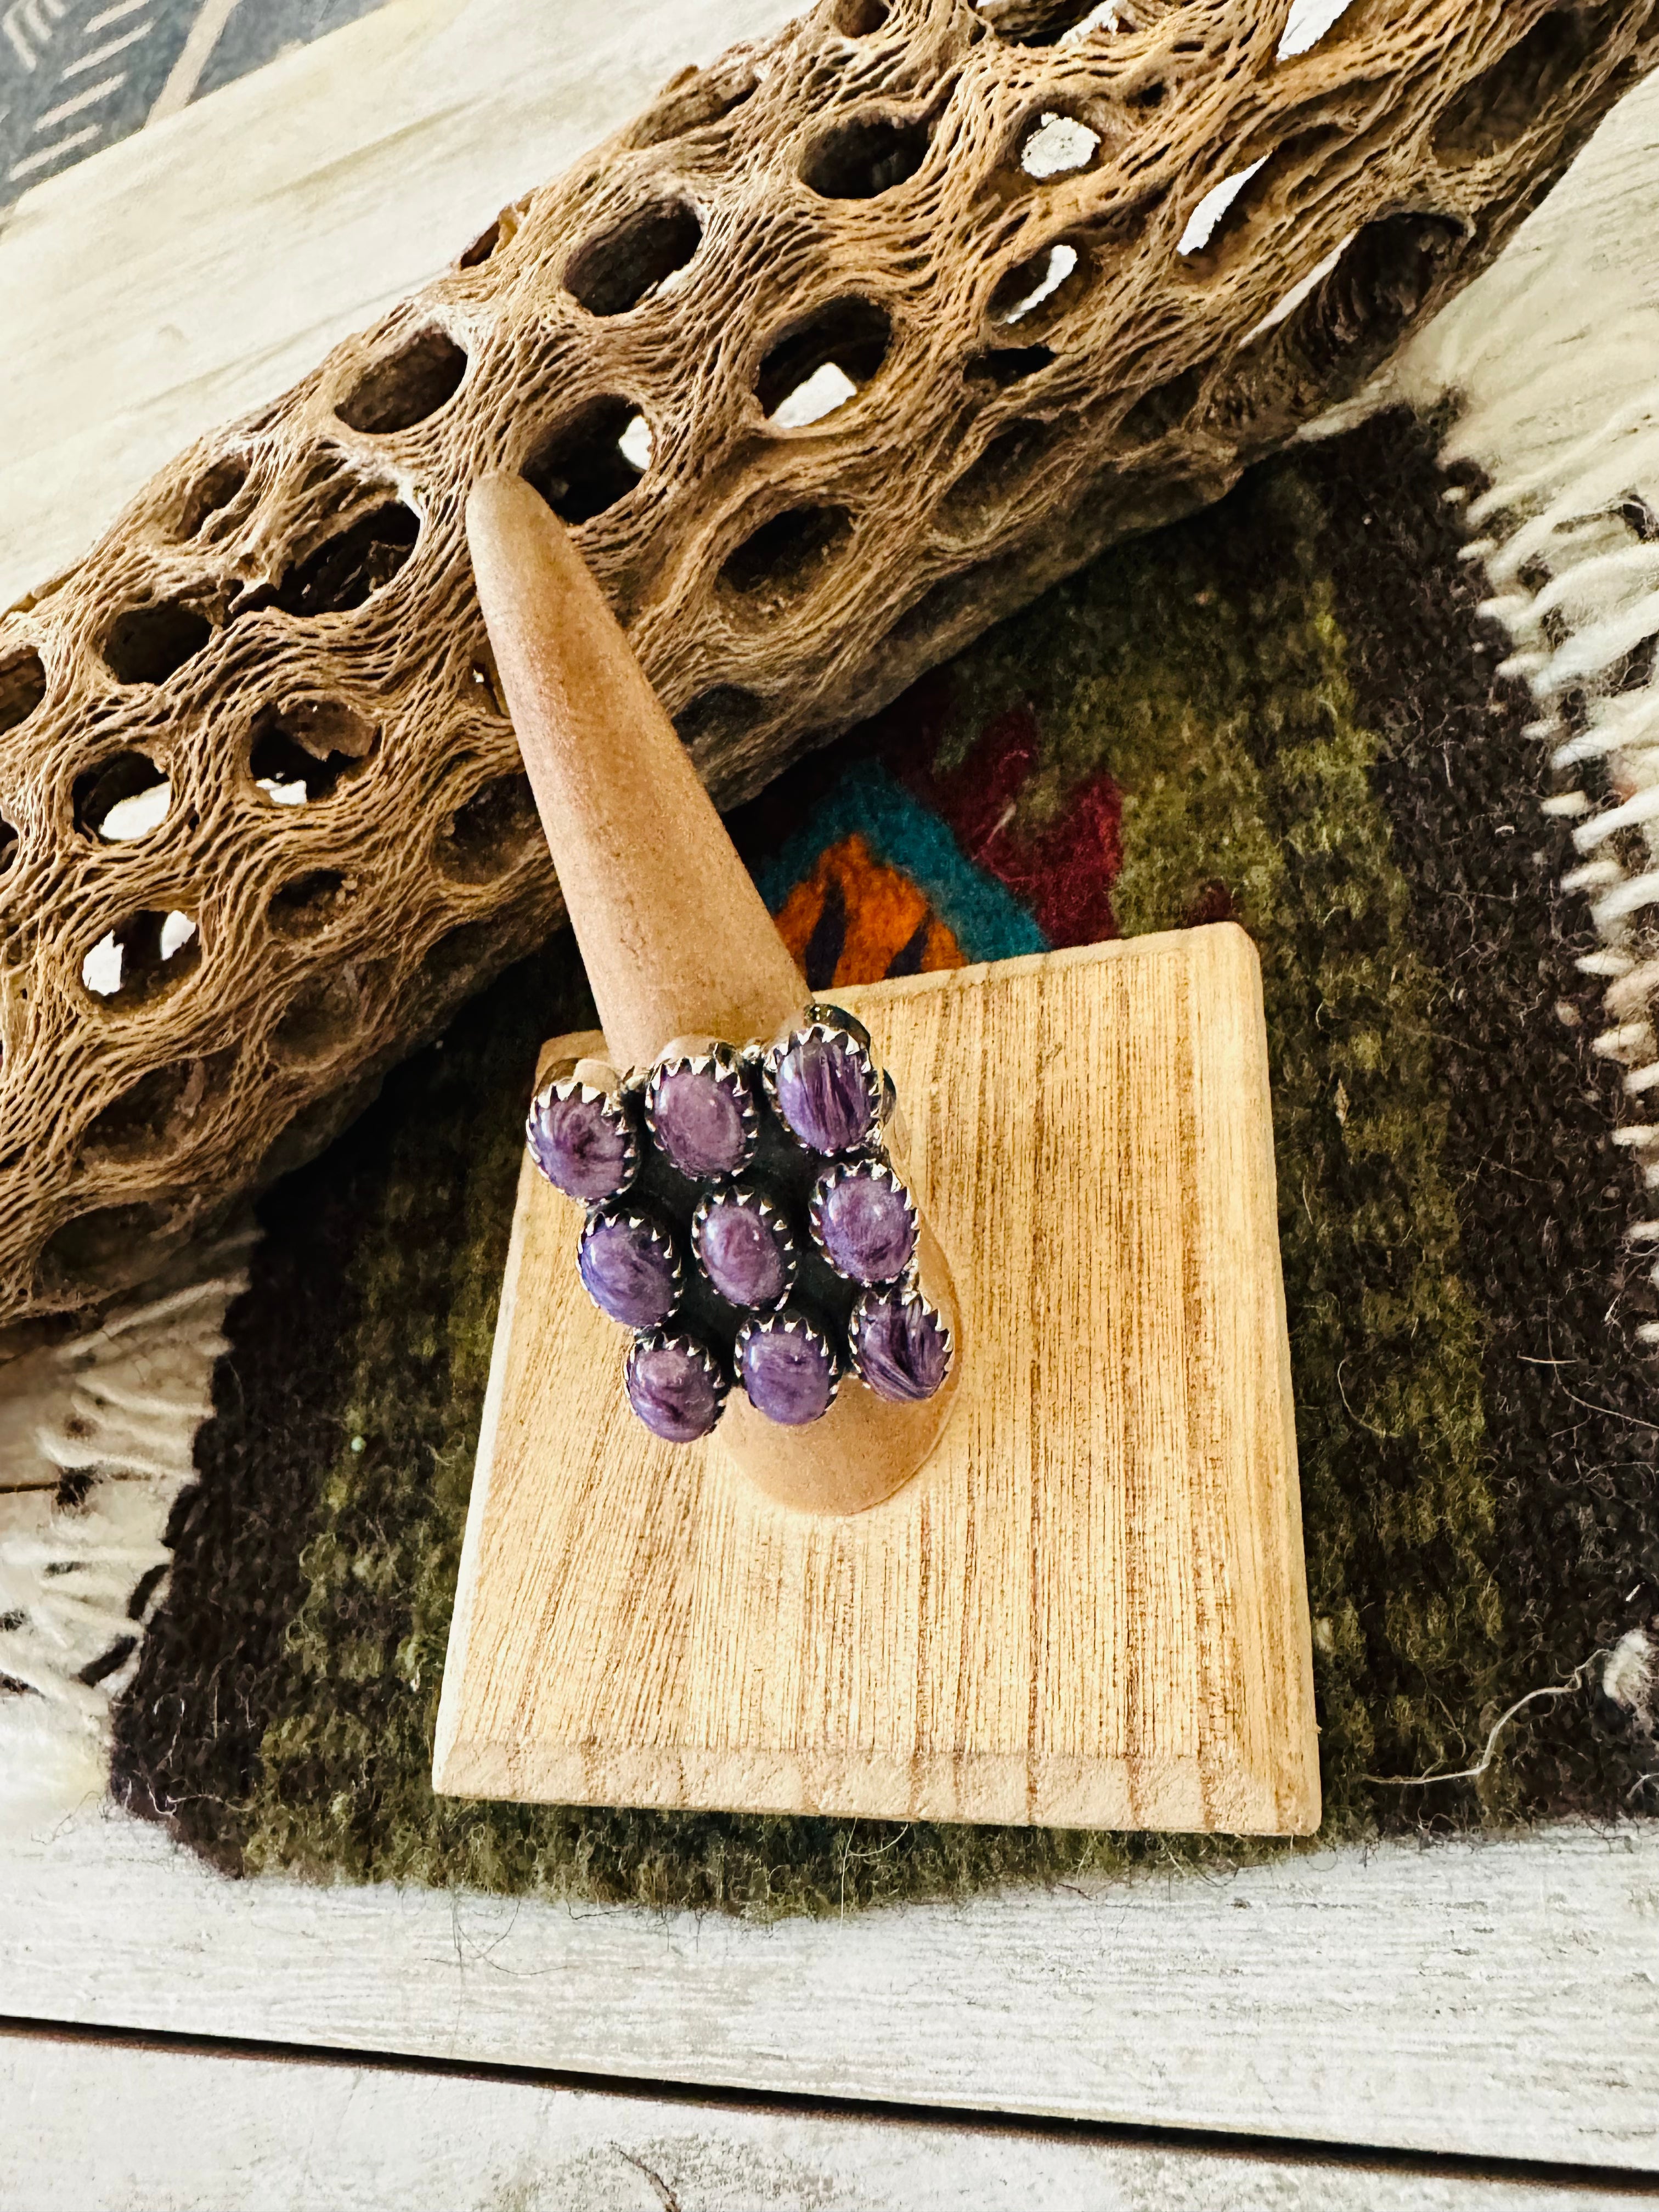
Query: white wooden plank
195,271
1495,1999
92,2126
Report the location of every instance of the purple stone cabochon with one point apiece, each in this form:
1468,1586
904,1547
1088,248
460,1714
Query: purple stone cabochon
866,1225
699,1122
903,1348
823,1093
741,1252
581,1144
670,1388
628,1268
787,1374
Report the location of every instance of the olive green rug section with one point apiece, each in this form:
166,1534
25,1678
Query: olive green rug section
1287,702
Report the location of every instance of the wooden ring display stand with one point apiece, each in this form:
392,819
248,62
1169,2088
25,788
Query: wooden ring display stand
1068,1591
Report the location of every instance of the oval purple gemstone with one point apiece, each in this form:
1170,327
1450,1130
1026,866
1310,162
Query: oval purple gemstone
823,1094
904,1347
671,1389
582,1146
742,1252
629,1269
866,1225
787,1374
699,1122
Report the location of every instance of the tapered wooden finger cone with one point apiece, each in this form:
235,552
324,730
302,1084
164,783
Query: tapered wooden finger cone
675,938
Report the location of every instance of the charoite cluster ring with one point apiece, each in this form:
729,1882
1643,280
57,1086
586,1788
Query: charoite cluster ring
745,1222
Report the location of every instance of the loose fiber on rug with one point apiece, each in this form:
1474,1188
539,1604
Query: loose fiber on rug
1288,710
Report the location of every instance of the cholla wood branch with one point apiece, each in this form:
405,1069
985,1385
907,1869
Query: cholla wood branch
853,344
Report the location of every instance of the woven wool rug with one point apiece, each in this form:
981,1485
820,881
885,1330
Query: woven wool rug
1288,710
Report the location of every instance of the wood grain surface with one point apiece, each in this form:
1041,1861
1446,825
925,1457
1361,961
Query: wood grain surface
1088,1608
1493,1999
95,2126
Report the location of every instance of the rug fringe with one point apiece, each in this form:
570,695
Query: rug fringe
1549,358
96,1442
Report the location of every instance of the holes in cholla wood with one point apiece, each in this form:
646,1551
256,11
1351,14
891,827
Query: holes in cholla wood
146,954
320,1020
1301,290
1205,223
864,156
482,247
1379,285
213,491
10,843
779,563
486,685
147,644
155,1111
816,366
491,833
1494,111
693,101
1006,365
1058,145
988,485
583,467
490,240
308,904
22,687
96,1249
1307,24
716,716
299,749
349,567
640,259
1038,289
858,19
1054,22
459,962
405,386
1165,407
119,798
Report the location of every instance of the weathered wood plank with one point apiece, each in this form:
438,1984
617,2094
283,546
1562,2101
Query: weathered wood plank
93,2125
1494,1999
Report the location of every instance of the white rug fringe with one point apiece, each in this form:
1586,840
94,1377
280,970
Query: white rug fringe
96,1436
1552,357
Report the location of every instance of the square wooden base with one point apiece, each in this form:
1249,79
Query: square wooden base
1088,1609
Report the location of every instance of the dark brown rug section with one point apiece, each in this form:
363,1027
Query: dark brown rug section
1544,1198
212,1669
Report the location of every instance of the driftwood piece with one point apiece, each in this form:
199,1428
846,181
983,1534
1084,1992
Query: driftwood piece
264,822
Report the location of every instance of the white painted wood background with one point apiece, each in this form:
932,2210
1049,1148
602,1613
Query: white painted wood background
1495,1999
264,2136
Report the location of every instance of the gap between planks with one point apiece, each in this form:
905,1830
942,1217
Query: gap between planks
293,2129
1490,1999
